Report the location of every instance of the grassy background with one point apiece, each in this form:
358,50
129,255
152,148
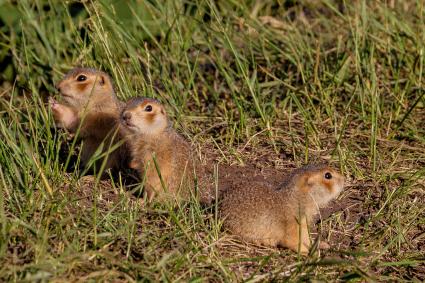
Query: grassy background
264,84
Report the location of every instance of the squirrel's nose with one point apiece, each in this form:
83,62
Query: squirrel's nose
126,116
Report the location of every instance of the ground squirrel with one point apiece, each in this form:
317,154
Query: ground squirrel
279,216
88,103
152,139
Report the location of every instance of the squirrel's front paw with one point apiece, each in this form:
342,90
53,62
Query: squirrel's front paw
52,103
64,116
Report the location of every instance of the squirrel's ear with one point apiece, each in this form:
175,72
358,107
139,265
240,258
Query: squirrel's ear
102,79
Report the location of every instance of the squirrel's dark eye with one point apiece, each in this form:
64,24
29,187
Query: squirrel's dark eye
148,108
328,175
81,78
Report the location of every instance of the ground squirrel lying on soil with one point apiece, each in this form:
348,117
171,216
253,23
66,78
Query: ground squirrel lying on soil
158,151
89,104
279,216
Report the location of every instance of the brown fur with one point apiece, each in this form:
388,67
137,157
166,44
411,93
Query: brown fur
271,216
96,110
150,118
153,137
175,167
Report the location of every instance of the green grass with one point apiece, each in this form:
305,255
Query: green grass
262,83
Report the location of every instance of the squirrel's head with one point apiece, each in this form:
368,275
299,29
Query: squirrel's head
321,182
82,87
142,115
